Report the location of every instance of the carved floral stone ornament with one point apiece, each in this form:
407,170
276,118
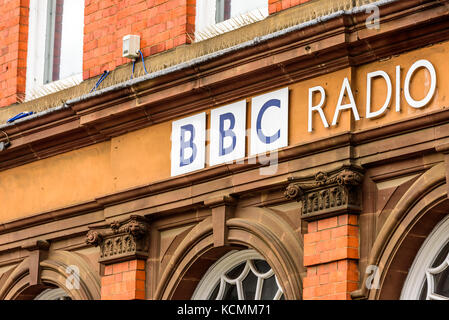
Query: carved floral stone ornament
328,194
94,238
121,240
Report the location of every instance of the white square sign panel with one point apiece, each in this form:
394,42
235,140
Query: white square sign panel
227,133
188,144
269,122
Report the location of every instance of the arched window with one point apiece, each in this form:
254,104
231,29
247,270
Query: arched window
428,278
239,275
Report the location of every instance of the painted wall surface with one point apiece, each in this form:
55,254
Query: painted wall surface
143,157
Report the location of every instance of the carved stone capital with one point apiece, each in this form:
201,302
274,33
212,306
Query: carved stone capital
121,240
328,193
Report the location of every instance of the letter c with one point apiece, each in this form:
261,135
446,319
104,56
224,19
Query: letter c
262,137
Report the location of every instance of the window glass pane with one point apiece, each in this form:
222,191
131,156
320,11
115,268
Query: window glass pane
240,7
262,266
442,283
72,38
234,273
56,14
269,288
36,43
226,9
442,279
230,292
249,286
223,10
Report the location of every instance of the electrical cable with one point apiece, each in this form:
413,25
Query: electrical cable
19,116
103,76
134,64
143,62
98,82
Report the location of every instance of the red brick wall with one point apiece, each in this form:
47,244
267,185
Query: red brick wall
279,5
331,253
124,281
161,24
13,50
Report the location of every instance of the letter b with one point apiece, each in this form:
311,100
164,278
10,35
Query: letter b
187,145
227,133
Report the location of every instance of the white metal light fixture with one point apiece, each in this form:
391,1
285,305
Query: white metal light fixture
131,46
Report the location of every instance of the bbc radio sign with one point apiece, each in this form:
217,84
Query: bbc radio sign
269,132
269,119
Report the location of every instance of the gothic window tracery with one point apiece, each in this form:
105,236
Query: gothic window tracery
428,278
240,275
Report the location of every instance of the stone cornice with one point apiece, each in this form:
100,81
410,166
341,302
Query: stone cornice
432,119
319,49
121,240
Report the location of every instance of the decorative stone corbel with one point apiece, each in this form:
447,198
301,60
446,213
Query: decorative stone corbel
38,252
328,193
121,240
222,209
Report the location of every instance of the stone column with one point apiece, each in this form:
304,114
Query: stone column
124,249
331,203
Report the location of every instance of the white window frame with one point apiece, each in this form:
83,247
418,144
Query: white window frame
205,26
52,294
216,274
421,268
40,49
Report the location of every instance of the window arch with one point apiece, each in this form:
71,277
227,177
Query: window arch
428,278
239,275
53,294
